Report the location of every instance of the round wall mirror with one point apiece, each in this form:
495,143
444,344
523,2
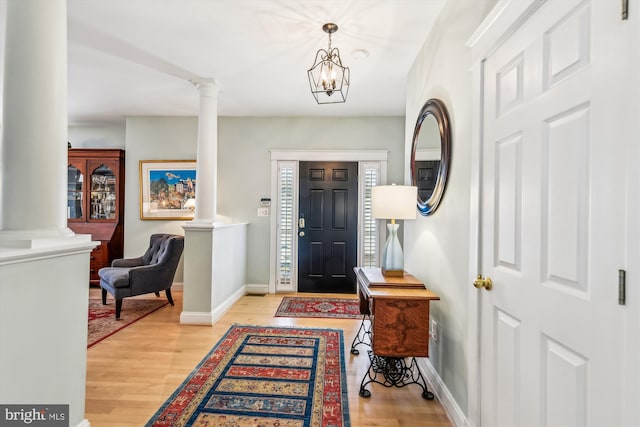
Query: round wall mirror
431,155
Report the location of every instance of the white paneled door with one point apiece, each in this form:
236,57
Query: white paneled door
553,218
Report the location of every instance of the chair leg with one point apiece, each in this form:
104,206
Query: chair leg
104,296
118,308
169,297
157,294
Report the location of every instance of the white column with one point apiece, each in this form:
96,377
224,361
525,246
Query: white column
200,233
44,268
207,153
34,140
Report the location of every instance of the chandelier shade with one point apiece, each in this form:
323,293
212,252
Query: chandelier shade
328,78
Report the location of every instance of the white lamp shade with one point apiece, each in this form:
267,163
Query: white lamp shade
394,201
190,204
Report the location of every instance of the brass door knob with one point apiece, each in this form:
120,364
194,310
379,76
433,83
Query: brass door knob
483,283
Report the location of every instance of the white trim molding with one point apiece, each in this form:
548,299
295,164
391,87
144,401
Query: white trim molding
196,318
47,248
210,318
219,310
257,288
330,155
439,388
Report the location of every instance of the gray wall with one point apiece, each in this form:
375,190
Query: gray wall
437,247
101,135
244,166
153,138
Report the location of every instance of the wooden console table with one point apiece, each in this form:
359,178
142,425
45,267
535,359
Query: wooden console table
398,311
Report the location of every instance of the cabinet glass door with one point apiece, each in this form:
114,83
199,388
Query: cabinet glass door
74,193
103,193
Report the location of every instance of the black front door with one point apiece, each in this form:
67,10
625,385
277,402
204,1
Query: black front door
327,226
426,176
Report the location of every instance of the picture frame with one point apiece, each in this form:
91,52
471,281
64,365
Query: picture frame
166,186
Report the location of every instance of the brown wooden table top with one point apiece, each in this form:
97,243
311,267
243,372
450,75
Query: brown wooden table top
377,285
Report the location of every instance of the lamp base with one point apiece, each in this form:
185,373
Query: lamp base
392,261
392,273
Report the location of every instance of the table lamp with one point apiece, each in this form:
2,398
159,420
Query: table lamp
190,204
393,202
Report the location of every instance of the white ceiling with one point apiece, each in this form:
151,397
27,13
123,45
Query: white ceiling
137,57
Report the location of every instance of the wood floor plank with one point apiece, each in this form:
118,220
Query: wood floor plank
131,373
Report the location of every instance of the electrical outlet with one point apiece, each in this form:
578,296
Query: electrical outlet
434,330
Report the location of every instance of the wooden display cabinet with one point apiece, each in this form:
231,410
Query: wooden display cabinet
95,202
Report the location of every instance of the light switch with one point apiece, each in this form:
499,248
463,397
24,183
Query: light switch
263,211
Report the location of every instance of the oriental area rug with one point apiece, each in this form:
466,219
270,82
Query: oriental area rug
264,376
102,318
338,308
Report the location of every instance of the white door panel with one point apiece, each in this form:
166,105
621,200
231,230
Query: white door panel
552,225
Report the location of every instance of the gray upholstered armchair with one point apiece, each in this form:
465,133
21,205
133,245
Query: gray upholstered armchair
152,272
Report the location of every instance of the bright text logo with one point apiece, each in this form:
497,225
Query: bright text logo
36,415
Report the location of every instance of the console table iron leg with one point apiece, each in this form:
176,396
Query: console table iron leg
363,336
393,372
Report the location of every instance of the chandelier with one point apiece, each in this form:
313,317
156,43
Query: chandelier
328,78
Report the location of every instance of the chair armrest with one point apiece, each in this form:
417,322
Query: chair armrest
127,262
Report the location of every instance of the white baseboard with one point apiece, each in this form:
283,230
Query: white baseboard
177,286
438,387
225,305
84,423
209,318
257,289
196,318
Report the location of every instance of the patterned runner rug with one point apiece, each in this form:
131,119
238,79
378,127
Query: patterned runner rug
264,376
339,308
102,318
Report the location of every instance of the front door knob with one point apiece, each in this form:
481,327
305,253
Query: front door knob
483,283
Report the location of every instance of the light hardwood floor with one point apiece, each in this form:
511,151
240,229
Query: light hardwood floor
130,374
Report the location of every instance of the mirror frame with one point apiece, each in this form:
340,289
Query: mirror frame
436,108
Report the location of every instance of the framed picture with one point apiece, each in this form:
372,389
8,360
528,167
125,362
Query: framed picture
167,189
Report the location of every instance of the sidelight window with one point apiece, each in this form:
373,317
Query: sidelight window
369,230
285,225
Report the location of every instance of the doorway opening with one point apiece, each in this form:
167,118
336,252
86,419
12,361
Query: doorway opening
327,226
370,169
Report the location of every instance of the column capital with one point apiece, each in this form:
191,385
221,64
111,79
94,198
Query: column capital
209,86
